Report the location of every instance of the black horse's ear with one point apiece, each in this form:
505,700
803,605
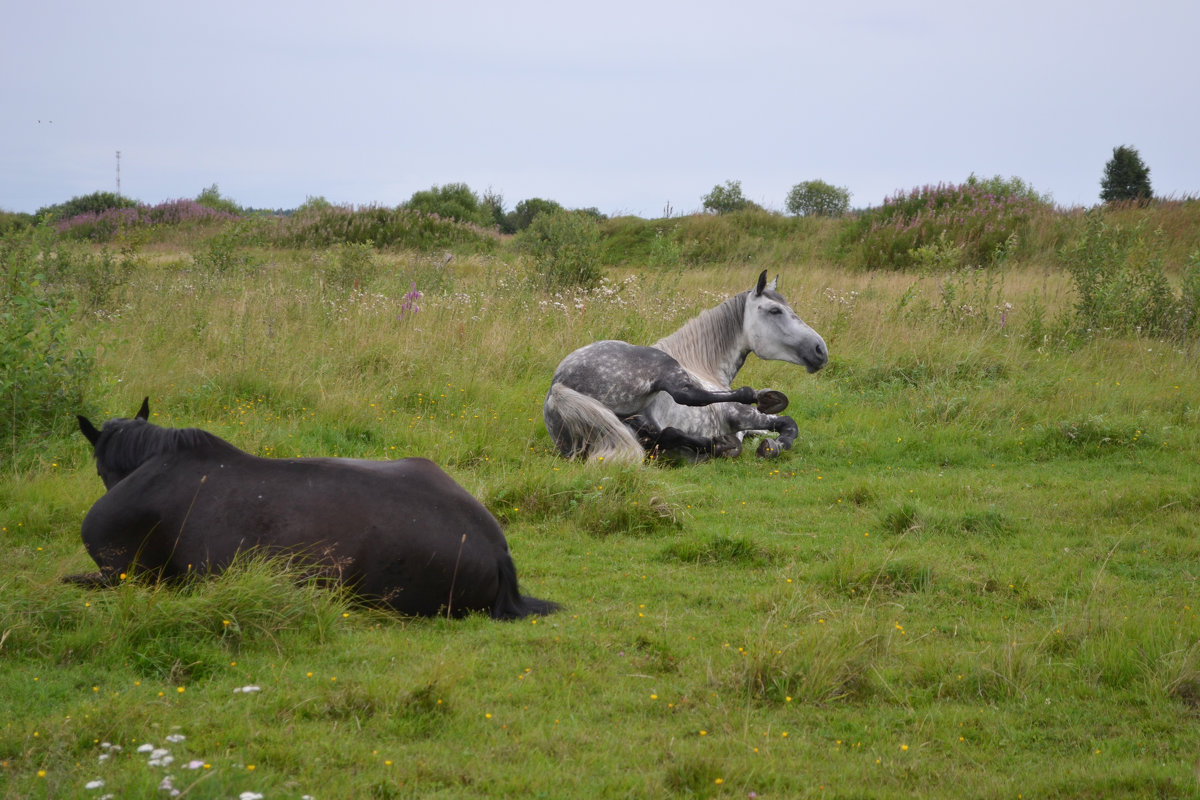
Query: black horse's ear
762,283
87,428
144,411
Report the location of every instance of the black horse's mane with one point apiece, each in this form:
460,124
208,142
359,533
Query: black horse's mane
126,444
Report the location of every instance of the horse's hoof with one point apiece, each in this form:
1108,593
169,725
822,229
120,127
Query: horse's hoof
769,448
727,446
771,401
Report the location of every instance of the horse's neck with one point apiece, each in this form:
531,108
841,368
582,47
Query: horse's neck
712,344
175,440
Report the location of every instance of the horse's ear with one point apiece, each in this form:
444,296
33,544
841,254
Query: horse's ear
773,284
762,283
87,428
144,411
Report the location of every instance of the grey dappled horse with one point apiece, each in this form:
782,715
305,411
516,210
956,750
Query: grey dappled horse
403,533
614,400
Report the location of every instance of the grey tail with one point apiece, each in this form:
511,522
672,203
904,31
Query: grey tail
582,426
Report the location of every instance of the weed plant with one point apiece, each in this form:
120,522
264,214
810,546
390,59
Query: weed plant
973,575
1122,284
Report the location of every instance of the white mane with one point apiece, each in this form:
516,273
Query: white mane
712,344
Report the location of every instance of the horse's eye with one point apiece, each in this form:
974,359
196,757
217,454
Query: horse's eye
775,310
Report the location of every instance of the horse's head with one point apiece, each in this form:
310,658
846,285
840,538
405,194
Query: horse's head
776,332
117,454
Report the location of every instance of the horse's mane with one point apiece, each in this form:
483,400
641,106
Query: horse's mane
703,344
126,444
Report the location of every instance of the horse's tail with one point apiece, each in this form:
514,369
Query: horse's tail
583,426
510,604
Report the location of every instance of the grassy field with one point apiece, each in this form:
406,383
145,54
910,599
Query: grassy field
974,576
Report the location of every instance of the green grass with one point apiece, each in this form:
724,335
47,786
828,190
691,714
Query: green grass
974,576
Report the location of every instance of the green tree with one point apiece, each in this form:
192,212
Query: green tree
818,199
723,199
1126,177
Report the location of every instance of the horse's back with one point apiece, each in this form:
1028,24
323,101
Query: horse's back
620,375
203,510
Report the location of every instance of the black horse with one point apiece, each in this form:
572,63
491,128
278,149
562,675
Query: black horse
183,501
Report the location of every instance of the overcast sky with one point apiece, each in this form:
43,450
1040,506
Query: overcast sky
624,106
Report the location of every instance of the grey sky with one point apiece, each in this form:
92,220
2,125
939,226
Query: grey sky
623,106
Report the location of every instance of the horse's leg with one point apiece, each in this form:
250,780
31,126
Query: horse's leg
89,580
681,386
771,401
675,442
742,418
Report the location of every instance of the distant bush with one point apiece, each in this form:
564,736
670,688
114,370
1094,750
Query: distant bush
94,203
983,221
453,201
104,225
818,199
318,225
565,248
211,198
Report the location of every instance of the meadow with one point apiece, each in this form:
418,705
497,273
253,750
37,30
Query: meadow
975,575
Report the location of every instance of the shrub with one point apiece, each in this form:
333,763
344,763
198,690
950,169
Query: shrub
818,199
565,248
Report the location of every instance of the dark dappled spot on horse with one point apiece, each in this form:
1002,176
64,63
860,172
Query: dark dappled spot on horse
619,401
399,533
